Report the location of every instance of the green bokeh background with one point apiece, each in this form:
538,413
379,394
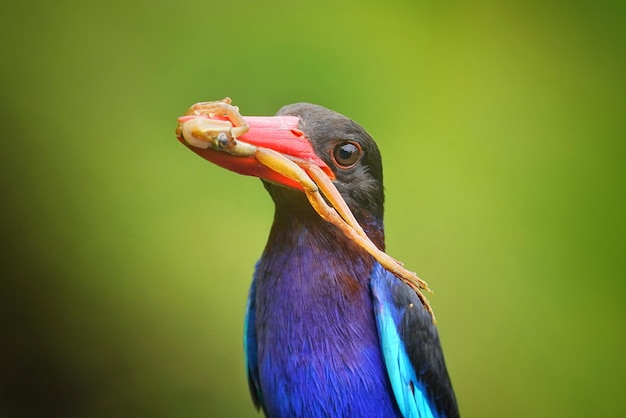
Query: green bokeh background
127,259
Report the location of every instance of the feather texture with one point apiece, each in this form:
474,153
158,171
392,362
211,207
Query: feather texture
411,349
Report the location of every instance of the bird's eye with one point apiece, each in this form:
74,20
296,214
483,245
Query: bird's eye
346,154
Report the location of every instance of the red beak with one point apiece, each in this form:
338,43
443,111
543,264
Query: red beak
279,133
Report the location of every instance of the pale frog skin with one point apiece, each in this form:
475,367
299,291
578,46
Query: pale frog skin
221,135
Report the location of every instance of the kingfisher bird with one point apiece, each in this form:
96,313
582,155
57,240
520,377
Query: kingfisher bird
329,331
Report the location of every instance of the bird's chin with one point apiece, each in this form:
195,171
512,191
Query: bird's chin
285,197
276,189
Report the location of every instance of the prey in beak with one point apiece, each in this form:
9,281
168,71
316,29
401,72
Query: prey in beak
276,150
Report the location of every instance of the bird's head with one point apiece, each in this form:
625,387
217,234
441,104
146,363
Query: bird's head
350,153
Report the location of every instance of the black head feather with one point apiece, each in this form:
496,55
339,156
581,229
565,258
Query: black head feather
361,185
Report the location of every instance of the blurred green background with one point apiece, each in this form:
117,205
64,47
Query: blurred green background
127,258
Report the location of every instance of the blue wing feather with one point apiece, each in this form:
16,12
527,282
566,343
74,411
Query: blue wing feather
411,349
250,348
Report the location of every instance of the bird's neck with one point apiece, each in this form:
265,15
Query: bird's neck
312,258
295,213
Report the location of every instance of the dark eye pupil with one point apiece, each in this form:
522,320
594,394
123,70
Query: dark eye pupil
347,154
346,151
